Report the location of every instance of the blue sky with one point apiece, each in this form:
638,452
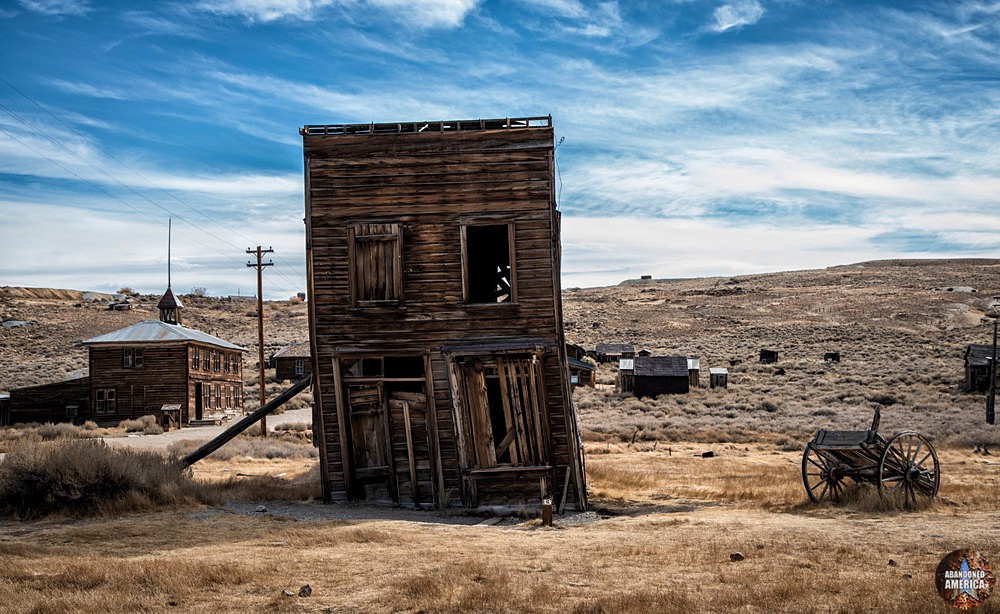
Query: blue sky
701,137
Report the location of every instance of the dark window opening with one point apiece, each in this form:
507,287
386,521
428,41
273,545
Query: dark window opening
404,366
489,275
363,367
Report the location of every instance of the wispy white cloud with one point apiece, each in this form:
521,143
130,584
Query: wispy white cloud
736,14
57,7
418,13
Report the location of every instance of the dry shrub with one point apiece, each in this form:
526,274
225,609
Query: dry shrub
305,487
140,425
83,477
59,430
251,445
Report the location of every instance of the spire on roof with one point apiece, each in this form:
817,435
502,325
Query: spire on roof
170,308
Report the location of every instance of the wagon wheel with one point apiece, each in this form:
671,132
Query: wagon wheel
821,476
908,469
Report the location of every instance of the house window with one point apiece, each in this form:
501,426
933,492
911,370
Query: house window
216,365
300,367
206,362
132,358
229,397
238,392
195,358
503,396
206,395
376,255
225,363
236,363
213,399
104,400
488,274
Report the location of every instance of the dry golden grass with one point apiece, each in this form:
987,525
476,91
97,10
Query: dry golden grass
668,525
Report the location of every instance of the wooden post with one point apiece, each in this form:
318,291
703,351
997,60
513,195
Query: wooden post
260,325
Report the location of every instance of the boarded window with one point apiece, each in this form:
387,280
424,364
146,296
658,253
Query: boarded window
504,403
488,273
376,253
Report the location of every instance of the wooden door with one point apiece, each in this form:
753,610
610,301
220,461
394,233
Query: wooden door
411,447
370,450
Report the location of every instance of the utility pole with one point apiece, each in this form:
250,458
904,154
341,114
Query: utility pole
992,398
259,265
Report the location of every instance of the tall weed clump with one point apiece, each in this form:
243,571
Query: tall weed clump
88,477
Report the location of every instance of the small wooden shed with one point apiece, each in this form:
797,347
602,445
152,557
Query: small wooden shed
656,375
977,367
694,372
718,377
768,357
292,362
612,352
626,375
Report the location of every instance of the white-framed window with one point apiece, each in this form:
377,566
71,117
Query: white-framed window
105,401
300,367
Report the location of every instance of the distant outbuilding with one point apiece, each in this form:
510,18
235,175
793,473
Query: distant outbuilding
694,372
831,357
611,352
292,362
768,357
656,375
626,374
718,377
977,367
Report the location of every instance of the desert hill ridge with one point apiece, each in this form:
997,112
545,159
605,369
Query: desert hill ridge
901,328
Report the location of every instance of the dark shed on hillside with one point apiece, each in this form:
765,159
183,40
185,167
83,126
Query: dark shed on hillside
656,375
613,352
977,367
768,357
4,409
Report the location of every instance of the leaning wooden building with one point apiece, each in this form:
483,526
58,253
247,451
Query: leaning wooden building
433,258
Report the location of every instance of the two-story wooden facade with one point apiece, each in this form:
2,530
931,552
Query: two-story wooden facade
433,258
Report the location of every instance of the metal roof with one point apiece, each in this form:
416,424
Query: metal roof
169,301
977,355
661,366
579,364
155,331
694,364
614,348
718,371
295,350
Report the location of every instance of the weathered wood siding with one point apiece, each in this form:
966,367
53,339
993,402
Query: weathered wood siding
166,377
431,184
47,402
284,367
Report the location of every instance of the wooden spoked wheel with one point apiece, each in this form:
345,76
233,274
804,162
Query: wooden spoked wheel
908,470
821,476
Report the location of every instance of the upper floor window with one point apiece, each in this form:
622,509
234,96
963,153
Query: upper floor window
216,365
132,358
235,359
225,363
488,271
376,255
206,362
195,358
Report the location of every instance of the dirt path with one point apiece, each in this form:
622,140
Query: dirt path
201,433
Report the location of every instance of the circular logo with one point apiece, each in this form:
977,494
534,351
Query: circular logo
964,579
